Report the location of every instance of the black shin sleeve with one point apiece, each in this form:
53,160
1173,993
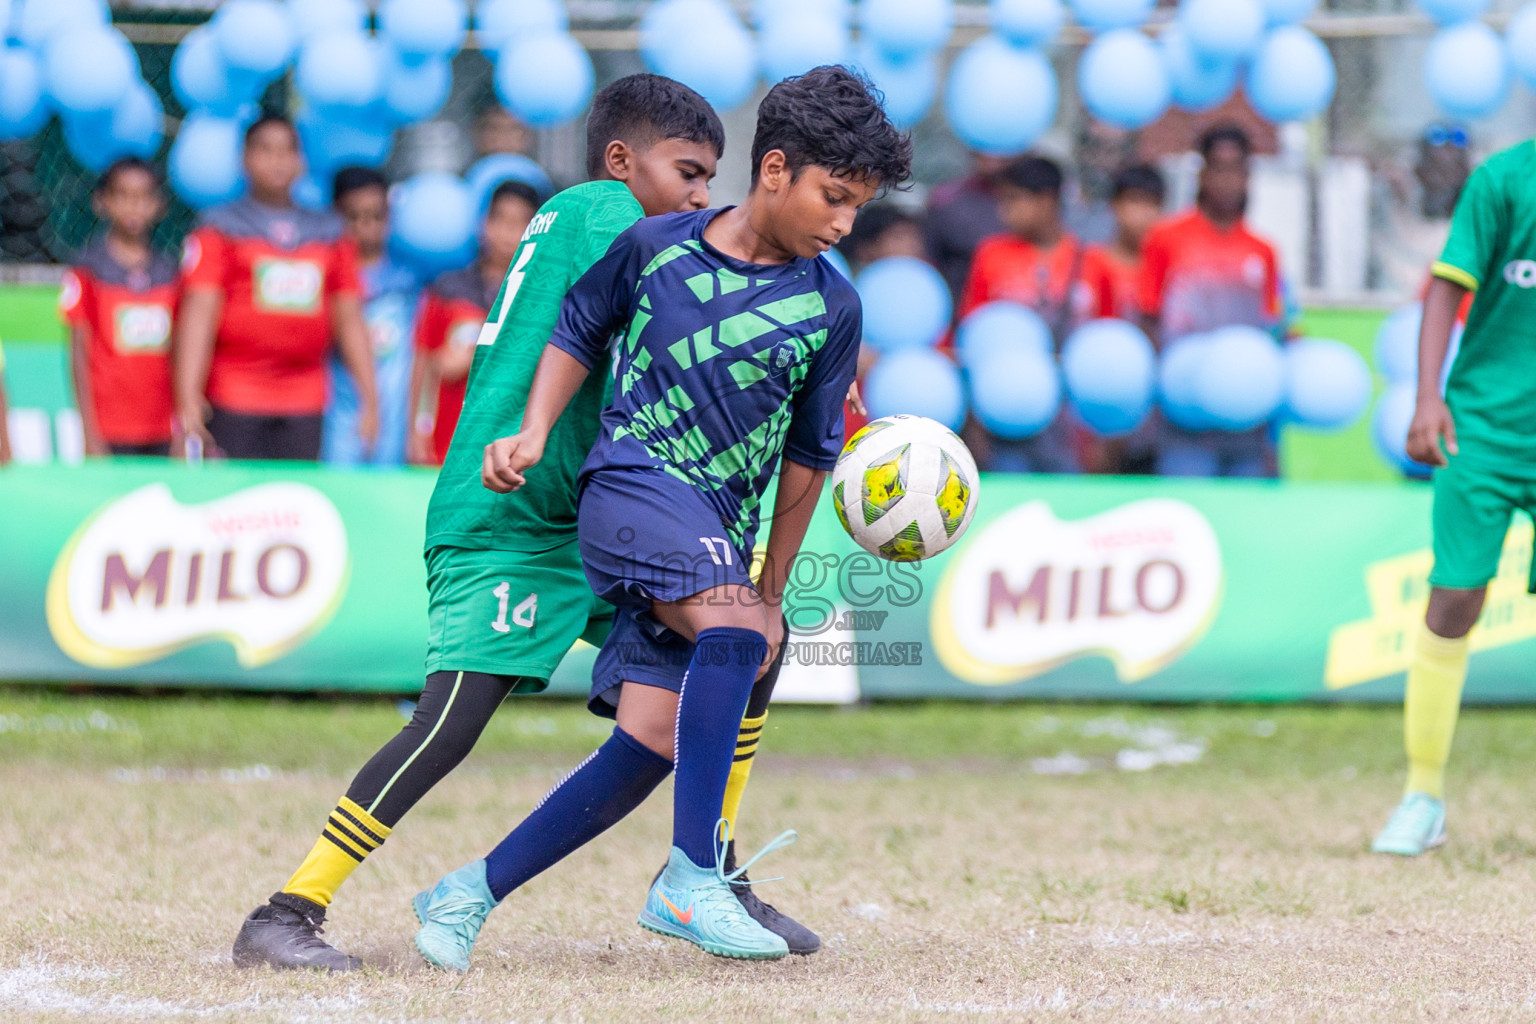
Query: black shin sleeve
452,712
762,690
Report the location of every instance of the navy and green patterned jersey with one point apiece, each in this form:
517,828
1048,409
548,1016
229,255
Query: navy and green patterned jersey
570,233
720,366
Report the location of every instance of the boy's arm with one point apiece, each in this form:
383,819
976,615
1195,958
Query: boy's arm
555,383
351,332
80,367
1431,416
196,324
793,505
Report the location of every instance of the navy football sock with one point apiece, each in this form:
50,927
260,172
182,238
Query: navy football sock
610,783
709,709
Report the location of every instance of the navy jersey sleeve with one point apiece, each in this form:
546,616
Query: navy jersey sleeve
815,438
599,303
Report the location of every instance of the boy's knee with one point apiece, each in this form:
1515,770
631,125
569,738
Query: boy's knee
1453,613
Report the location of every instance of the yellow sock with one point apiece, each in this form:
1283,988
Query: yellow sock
741,767
350,834
1433,699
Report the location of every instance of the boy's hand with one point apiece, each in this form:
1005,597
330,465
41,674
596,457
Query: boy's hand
368,424
192,419
855,402
507,458
1431,422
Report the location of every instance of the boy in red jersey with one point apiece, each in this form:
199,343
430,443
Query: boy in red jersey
1202,270
453,310
1137,203
268,286
118,301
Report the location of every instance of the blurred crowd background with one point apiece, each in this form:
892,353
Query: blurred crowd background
1117,271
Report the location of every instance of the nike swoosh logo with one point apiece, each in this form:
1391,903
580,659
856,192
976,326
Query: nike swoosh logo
682,918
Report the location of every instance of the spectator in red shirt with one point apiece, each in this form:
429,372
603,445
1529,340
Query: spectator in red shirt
1202,270
453,310
119,301
268,285
1137,204
960,214
1036,263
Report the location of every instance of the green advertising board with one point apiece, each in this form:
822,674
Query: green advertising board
301,578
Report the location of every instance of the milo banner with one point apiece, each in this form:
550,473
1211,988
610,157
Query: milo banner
288,578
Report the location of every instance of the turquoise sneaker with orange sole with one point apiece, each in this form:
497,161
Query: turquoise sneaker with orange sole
697,905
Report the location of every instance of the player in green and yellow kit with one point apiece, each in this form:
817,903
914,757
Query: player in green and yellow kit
1486,468
506,593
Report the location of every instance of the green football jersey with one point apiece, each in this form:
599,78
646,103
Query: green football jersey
1492,250
570,233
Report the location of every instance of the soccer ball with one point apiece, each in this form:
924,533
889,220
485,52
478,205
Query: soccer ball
905,488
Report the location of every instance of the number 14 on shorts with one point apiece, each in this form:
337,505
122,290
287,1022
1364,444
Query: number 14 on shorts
522,615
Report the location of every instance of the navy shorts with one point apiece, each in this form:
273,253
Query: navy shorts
645,537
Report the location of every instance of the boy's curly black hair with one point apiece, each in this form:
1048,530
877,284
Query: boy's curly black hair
833,118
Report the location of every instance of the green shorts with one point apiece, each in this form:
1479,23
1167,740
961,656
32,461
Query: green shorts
509,613
1474,502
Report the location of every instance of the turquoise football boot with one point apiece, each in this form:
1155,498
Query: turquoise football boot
1417,825
452,913
698,905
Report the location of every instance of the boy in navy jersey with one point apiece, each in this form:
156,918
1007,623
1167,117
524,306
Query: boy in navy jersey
737,345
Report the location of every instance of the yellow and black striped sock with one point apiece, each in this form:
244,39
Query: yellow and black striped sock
741,768
350,834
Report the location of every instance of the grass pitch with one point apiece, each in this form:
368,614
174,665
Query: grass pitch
1017,862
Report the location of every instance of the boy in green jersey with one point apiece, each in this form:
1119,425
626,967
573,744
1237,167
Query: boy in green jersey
506,593
1486,468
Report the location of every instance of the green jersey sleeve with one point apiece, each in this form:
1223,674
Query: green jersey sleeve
1477,230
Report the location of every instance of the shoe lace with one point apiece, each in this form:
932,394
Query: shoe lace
1414,816
310,926
458,911
739,876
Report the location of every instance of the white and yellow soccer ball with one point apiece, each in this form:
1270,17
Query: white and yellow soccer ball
905,488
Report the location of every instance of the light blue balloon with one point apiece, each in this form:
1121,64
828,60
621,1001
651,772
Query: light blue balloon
23,106
490,171
1110,371
417,91
1222,30
498,22
311,18
917,381
1015,392
433,221
765,11
1292,76
1287,12
903,29
332,142
201,79
719,61
545,80
789,47
1327,384
1520,41
1102,15
88,70
39,20
999,98
341,72
906,303
254,36
1466,70
1397,344
1454,12
1028,22
136,126
667,21
311,192
85,136
909,86
1123,80
1198,85
204,163
1001,325
1389,429
419,29
1241,378
835,258
1178,382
